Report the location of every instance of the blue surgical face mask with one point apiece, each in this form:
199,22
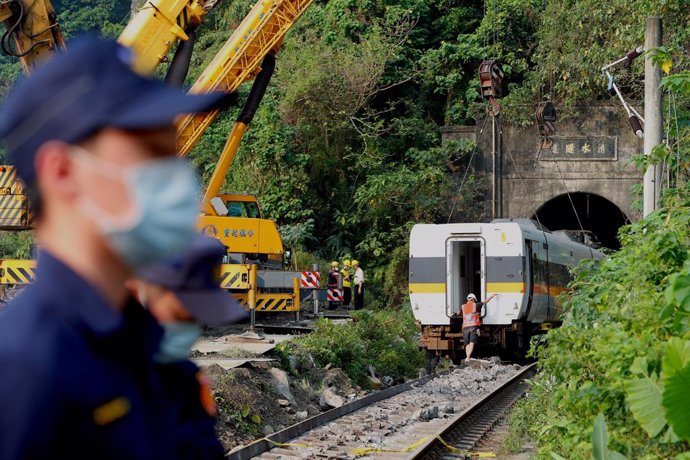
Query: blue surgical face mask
177,341
164,194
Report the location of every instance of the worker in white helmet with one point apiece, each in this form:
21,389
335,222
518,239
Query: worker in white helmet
471,321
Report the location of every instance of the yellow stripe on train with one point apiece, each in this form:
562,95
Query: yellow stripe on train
427,288
440,288
505,287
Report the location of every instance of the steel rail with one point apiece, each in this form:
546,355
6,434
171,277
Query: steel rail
265,444
472,424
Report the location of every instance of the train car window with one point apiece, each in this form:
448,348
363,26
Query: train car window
559,275
539,269
528,263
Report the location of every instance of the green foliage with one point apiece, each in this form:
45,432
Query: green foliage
243,419
345,151
385,340
575,39
15,245
675,373
644,396
600,441
610,355
623,350
100,17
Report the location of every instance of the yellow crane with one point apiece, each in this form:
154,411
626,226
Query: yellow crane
235,219
32,31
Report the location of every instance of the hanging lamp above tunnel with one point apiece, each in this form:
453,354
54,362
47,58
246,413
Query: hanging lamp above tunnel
546,119
491,82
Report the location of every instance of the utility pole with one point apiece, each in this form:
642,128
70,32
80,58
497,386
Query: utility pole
491,83
653,125
497,170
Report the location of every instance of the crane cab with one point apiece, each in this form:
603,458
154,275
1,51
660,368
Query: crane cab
247,236
241,205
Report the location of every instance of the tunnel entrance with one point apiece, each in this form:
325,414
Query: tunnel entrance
597,214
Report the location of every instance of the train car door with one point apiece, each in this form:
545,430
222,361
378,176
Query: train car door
465,270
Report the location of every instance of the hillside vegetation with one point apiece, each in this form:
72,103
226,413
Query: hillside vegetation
345,154
345,151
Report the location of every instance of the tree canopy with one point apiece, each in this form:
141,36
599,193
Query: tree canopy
345,152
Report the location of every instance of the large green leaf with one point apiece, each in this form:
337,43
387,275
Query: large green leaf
679,291
677,402
644,398
600,450
639,366
599,438
676,357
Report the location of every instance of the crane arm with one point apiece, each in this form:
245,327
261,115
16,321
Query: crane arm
31,31
157,26
239,128
261,32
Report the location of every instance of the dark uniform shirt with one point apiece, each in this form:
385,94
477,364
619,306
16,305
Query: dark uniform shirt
196,434
78,380
333,278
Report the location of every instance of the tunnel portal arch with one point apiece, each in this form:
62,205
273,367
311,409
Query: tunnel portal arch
597,214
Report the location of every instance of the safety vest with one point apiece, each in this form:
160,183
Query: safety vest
470,317
346,278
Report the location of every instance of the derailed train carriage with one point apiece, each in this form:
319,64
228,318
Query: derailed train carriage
525,264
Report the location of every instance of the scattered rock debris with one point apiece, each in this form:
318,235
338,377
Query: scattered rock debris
330,399
398,422
259,399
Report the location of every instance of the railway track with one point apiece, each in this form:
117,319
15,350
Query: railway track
459,437
432,417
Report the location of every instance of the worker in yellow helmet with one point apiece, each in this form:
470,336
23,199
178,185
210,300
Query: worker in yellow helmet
347,283
359,285
333,275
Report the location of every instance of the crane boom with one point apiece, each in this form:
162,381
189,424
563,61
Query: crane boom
157,26
32,32
261,32
252,241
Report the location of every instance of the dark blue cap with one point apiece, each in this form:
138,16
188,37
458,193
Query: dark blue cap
83,90
193,278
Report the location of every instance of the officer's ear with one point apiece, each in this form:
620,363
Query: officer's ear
55,171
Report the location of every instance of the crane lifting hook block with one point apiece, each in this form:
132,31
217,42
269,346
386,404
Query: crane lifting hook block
491,79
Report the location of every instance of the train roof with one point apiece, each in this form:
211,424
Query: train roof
525,222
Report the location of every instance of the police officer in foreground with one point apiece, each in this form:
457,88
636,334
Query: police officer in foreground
95,145
182,295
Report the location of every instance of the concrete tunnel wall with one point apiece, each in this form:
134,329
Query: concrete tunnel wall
529,183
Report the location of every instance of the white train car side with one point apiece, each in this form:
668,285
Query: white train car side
526,266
